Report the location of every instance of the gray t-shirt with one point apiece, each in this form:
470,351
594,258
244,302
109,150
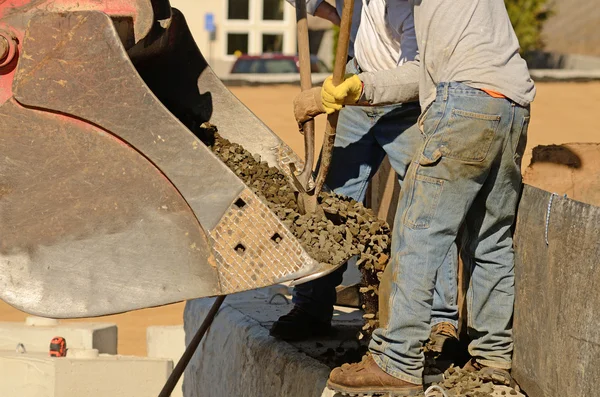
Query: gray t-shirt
466,41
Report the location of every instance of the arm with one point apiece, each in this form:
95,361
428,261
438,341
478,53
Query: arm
328,12
399,85
321,9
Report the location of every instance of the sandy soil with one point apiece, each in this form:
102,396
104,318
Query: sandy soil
561,113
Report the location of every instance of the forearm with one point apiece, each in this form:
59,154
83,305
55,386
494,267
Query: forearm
328,12
312,6
399,85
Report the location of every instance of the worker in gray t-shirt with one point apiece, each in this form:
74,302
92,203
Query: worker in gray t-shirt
475,91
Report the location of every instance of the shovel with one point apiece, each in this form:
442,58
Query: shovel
307,196
307,200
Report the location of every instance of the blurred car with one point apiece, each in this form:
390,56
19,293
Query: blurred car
275,64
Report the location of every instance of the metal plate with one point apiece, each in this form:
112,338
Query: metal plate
88,226
83,70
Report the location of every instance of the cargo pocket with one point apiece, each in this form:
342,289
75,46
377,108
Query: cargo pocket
521,141
424,201
469,135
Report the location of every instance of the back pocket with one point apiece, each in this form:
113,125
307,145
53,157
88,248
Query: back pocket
424,201
469,135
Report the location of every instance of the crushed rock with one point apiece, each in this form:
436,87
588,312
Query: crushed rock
459,382
348,229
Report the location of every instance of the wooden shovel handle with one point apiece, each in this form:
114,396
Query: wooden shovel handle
339,69
305,84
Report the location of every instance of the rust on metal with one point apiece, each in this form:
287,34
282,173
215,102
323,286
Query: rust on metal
3,48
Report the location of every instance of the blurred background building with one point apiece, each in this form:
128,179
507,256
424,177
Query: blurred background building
558,34
251,27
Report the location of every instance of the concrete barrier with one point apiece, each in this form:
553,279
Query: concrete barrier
238,357
36,333
38,375
167,342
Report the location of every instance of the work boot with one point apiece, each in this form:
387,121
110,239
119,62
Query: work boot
497,376
442,334
366,378
299,325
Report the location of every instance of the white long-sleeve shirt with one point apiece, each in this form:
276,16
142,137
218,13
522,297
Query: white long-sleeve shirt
383,32
386,35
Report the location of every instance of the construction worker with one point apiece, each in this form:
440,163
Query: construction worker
475,92
385,39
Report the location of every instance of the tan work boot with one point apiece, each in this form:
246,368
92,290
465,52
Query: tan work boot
497,376
440,334
367,378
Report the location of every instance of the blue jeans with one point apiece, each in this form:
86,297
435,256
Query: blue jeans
364,136
468,171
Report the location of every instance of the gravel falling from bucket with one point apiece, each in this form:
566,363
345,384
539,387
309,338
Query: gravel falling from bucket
356,231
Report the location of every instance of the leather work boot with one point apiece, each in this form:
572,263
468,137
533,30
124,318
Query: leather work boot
299,325
366,378
441,334
497,376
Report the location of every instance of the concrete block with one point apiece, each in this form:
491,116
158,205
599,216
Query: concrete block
167,342
38,375
557,343
238,357
35,334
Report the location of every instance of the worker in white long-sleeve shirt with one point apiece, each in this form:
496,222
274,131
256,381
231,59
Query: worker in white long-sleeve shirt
384,40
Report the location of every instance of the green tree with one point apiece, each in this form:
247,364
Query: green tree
527,18
336,35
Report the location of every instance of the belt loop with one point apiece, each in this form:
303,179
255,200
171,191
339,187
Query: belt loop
446,86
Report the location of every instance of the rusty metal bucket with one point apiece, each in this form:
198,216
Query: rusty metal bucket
108,201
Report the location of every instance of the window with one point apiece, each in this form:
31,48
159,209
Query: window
272,10
237,42
272,43
238,9
280,66
259,65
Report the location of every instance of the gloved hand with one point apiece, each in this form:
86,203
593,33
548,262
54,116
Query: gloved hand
308,105
347,93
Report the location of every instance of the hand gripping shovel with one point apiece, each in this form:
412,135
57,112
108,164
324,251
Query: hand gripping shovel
307,196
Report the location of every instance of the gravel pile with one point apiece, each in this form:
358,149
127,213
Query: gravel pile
459,382
348,228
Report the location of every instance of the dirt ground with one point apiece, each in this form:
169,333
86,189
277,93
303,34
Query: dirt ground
561,113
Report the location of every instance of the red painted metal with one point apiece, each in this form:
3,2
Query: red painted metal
15,14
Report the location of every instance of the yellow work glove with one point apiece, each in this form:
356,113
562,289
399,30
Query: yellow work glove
347,93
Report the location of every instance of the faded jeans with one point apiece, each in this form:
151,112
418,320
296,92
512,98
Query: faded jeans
364,136
468,172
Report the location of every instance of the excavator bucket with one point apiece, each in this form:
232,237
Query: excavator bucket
108,200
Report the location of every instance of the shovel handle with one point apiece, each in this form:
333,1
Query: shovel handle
305,84
339,69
